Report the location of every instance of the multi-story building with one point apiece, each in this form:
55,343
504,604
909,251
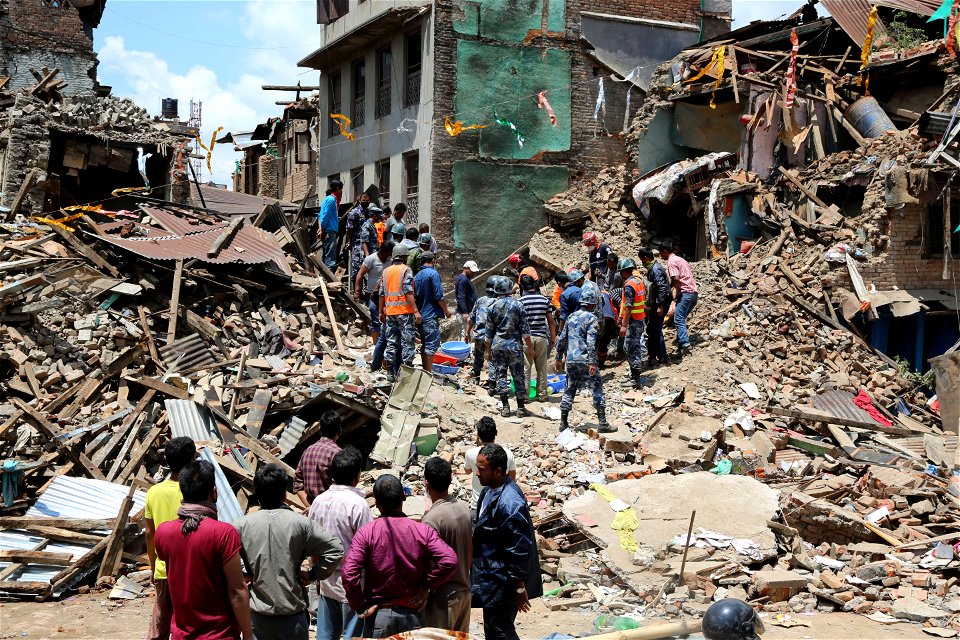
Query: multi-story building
398,69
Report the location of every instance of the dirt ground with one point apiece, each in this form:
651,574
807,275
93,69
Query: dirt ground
93,617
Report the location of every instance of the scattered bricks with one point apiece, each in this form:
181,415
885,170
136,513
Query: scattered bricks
830,580
624,473
618,443
874,572
779,584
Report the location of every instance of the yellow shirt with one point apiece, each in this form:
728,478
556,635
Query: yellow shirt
163,502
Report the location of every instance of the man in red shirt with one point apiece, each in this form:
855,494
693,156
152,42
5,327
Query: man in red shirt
207,589
392,564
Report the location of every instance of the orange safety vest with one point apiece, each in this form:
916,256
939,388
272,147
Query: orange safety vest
638,311
555,301
394,301
614,307
380,227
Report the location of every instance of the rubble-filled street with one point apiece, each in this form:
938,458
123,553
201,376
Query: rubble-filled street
792,451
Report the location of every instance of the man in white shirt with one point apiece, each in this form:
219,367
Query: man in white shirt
341,510
486,434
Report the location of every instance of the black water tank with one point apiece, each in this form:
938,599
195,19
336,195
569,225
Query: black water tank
168,108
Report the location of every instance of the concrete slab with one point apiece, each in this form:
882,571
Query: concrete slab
737,506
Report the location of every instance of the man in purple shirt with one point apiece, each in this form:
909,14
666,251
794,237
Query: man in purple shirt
392,565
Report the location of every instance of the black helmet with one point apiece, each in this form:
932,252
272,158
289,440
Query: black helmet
527,283
491,282
731,619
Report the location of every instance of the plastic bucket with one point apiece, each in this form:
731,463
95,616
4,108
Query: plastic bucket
459,350
869,118
445,369
557,383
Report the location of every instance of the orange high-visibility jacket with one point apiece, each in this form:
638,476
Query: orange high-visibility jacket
394,300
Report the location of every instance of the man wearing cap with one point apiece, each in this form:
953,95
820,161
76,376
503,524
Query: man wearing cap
425,229
369,236
428,292
398,310
685,292
398,232
465,291
597,253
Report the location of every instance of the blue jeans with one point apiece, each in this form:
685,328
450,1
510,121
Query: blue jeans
429,331
374,308
685,304
329,240
336,619
656,347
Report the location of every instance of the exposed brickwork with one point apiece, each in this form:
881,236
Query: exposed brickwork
269,186
35,35
588,153
27,148
297,178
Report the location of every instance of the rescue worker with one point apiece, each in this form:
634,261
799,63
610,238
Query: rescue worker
570,298
512,271
398,231
369,235
398,310
578,346
507,330
476,328
658,303
597,253
633,320
609,330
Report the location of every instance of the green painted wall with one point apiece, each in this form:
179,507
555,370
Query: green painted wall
509,78
507,20
497,207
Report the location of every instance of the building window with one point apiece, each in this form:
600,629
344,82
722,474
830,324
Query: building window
287,157
411,185
935,229
336,105
383,181
356,181
384,82
414,59
359,93
304,152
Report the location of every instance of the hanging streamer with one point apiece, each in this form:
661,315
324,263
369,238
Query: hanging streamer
456,128
601,107
506,123
403,128
715,59
343,122
720,69
142,166
117,192
209,150
953,31
863,78
792,71
57,223
236,169
543,104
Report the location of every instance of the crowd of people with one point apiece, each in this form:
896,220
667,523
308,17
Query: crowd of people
373,577
513,327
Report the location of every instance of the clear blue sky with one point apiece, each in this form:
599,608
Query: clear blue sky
222,51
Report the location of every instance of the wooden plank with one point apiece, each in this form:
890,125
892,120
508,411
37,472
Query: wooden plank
254,421
108,449
126,446
47,558
71,524
802,187
145,325
34,384
40,588
51,432
332,318
86,251
136,458
160,386
92,224
68,574
236,392
261,452
64,535
114,547
225,237
829,419
175,302
22,192
791,276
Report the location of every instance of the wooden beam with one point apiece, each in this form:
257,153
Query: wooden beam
86,251
139,454
175,302
796,181
47,558
224,238
830,419
254,421
25,187
289,87
333,320
145,325
114,547
70,524
107,451
51,432
159,385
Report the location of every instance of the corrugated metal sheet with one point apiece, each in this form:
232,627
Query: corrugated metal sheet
839,404
852,15
193,349
189,419
67,497
228,509
173,222
291,435
249,245
71,497
233,203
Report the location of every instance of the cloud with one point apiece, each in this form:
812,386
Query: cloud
229,90
746,11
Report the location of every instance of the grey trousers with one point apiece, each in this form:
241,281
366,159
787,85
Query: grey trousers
387,622
293,627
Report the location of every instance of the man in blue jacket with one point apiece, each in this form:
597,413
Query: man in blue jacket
330,223
506,569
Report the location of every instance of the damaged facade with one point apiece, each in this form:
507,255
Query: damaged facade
397,70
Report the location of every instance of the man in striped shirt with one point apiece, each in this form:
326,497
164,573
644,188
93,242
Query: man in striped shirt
542,331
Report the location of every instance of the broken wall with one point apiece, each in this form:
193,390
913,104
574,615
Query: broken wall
27,148
38,34
506,52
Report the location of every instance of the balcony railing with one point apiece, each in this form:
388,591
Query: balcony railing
359,111
384,100
332,128
412,97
